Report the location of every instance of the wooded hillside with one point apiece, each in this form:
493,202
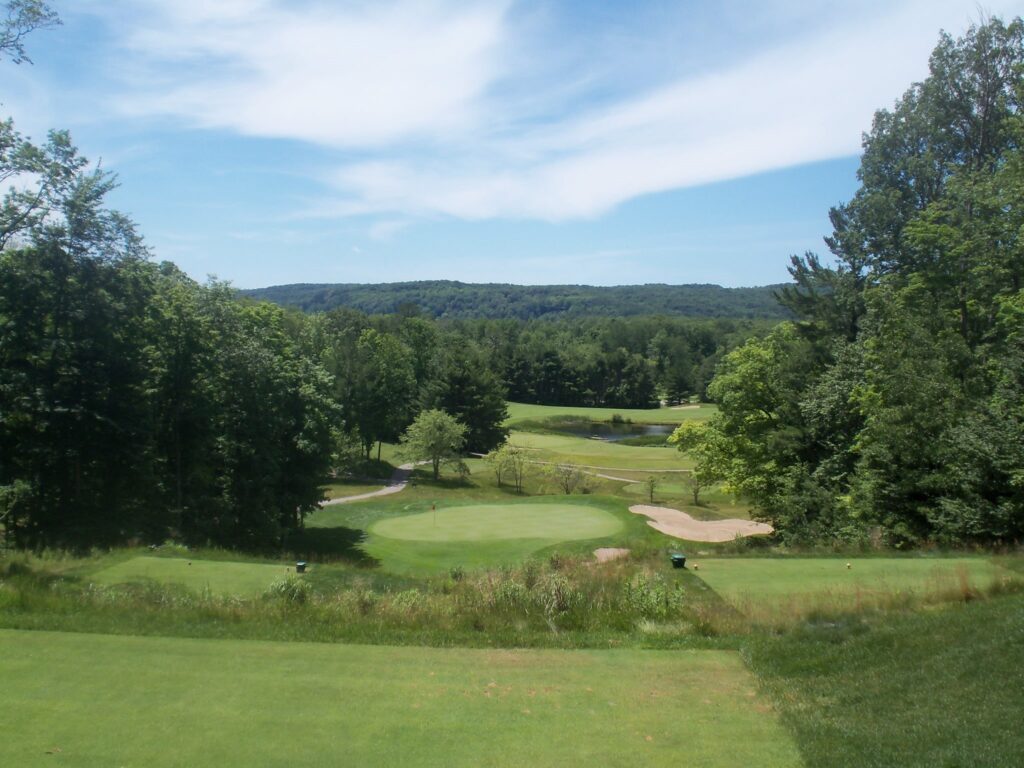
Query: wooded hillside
450,299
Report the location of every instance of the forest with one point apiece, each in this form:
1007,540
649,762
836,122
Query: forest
137,404
452,299
892,408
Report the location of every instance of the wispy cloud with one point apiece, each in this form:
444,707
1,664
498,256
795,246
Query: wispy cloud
435,109
356,75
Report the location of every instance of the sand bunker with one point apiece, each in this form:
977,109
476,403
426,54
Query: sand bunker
684,526
607,554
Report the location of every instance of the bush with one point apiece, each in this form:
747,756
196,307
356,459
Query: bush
651,597
290,589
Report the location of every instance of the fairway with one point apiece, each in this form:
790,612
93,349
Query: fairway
740,580
598,453
101,700
223,578
531,412
492,522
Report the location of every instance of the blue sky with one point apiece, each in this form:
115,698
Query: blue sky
278,141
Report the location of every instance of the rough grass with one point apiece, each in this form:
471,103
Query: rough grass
941,687
95,700
223,578
776,590
340,488
518,412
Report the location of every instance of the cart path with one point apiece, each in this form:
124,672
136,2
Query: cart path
399,479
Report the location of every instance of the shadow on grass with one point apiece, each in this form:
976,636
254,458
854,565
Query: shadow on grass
325,545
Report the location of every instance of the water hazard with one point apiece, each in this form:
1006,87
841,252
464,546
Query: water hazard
611,431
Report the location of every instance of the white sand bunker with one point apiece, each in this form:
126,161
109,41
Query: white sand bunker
607,554
683,526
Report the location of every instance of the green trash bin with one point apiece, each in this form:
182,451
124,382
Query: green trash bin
300,567
678,560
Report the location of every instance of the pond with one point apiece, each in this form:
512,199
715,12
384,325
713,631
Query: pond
610,431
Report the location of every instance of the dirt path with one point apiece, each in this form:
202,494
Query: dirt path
683,526
399,479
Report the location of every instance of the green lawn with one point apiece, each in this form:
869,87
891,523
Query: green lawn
600,453
101,700
490,522
224,578
483,534
529,412
753,581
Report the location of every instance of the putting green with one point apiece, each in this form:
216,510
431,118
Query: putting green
100,700
483,535
495,522
225,578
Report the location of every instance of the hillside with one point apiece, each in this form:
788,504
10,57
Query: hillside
450,299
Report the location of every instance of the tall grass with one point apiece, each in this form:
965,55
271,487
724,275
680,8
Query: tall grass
562,601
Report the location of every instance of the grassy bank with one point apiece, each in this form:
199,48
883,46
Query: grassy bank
939,687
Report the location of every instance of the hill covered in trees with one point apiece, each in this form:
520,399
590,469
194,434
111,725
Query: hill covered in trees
451,299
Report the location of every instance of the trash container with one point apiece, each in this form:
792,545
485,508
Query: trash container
300,567
678,560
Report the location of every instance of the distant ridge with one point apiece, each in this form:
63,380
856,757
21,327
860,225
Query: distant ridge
455,300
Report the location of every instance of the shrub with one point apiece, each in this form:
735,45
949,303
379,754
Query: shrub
290,589
651,597
558,595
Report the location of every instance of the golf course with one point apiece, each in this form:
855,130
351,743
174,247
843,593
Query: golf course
557,659
509,384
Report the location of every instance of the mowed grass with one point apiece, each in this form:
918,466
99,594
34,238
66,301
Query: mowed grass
101,700
529,412
598,453
222,578
490,522
483,535
772,581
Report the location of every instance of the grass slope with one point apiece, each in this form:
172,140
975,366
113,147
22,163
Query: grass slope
223,578
939,688
104,700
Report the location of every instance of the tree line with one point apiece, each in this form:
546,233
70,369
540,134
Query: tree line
892,407
463,301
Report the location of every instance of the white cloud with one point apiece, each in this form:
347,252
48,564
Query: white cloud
412,94
357,75
806,101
